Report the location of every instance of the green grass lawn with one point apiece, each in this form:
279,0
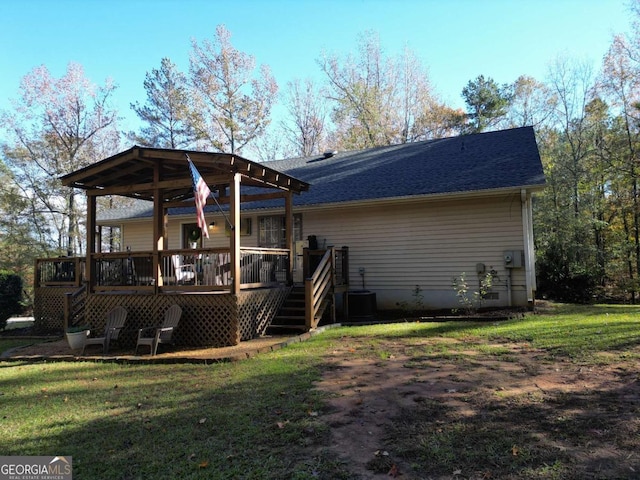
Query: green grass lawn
9,343
256,419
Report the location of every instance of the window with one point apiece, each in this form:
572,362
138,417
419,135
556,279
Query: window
109,239
191,234
271,230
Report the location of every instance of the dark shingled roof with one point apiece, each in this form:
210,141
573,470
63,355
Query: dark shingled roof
470,163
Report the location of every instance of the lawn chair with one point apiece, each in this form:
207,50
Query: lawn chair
184,272
153,336
113,324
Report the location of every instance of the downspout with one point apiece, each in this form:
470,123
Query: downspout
529,251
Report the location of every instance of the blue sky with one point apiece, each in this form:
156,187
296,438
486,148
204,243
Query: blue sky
456,39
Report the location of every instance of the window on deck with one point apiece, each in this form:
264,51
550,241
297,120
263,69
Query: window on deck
271,230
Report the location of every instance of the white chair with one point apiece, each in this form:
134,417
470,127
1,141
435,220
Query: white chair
153,336
184,273
114,322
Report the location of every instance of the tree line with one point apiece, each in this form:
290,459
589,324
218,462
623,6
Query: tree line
587,221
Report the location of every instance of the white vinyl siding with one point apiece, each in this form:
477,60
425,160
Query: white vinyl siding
400,244
426,244
138,236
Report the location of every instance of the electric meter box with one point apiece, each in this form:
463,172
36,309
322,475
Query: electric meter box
513,258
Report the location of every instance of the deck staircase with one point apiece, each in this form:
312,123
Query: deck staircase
291,316
74,307
307,304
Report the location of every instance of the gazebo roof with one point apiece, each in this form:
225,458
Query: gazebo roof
140,172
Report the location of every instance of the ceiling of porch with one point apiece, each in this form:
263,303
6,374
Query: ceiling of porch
141,172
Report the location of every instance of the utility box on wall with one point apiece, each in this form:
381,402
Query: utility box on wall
513,258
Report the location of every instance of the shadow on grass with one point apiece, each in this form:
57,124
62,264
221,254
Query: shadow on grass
554,435
244,420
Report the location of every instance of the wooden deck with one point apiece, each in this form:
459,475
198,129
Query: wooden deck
212,315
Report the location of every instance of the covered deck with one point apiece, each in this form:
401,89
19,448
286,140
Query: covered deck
227,294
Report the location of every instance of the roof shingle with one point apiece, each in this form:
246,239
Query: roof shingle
486,161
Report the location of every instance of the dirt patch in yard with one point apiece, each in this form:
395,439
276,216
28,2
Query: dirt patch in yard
514,413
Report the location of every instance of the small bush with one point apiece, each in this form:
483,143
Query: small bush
471,302
10,296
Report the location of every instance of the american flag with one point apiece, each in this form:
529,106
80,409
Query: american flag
201,193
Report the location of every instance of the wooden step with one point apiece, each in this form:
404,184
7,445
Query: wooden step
288,310
289,317
301,328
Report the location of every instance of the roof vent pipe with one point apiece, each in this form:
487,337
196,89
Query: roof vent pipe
329,153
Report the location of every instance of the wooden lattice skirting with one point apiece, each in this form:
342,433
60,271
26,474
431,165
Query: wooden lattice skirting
48,308
208,319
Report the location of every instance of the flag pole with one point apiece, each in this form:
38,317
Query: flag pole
232,227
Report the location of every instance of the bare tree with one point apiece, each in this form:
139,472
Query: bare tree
234,105
307,129
58,125
531,105
572,84
420,114
380,99
363,92
272,145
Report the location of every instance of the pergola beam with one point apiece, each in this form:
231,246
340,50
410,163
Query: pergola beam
225,200
163,176
183,183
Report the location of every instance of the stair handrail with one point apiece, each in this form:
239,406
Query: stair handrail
317,287
74,303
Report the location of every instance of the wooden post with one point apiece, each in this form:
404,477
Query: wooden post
234,241
288,221
159,228
36,274
67,311
308,303
305,263
77,272
333,283
345,265
345,274
91,241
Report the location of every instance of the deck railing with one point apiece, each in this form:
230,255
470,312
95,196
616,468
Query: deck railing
312,259
326,273
317,288
59,271
205,269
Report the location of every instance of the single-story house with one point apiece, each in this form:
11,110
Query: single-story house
413,216
397,224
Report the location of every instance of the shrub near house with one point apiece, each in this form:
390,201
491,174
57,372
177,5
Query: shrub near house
10,296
